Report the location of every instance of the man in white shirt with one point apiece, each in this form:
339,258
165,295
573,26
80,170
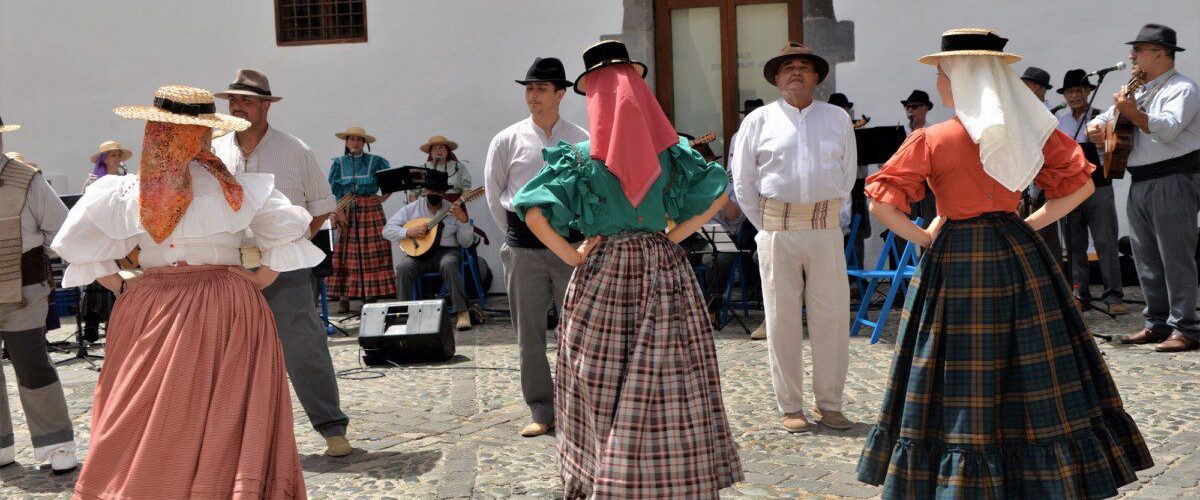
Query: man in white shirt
794,162
264,149
534,277
454,233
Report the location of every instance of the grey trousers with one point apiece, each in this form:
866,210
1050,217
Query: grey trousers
23,333
445,260
1162,218
535,279
1097,214
306,351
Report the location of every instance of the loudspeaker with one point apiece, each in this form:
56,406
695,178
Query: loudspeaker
403,332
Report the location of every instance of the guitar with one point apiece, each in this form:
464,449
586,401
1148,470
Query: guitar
1118,137
861,122
704,139
416,247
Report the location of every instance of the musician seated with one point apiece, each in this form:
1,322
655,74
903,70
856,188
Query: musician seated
444,256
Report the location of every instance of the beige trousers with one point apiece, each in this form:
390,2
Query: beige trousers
806,269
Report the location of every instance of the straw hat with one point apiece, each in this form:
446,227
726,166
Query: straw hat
185,106
439,139
356,132
971,42
107,146
8,128
17,156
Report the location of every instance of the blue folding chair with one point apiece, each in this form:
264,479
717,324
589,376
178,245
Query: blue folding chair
905,268
853,260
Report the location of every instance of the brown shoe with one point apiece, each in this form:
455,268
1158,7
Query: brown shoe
1146,336
337,446
832,419
759,333
1177,343
535,429
1117,309
464,321
796,423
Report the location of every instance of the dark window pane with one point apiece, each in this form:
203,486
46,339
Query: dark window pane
315,21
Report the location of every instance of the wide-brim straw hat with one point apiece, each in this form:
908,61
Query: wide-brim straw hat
356,132
971,42
438,139
111,146
19,157
185,106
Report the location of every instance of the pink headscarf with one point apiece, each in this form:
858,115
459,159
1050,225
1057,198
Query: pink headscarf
628,128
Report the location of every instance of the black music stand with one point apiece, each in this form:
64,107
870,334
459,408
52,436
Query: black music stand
711,233
81,345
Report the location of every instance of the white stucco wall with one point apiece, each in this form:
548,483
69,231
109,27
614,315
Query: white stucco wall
429,67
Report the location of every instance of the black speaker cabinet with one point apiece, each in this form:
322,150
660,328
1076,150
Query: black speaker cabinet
406,332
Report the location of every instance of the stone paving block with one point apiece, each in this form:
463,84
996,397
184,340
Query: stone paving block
854,490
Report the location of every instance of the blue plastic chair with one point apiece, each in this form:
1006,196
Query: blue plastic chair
905,268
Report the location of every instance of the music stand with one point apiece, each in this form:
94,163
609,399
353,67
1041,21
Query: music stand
81,345
720,240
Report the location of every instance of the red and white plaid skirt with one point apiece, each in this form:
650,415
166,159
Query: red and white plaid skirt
362,261
638,400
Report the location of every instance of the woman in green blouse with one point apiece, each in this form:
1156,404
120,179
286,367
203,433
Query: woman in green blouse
638,397
362,260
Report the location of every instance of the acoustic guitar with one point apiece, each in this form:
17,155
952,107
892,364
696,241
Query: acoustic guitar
1118,137
416,247
861,122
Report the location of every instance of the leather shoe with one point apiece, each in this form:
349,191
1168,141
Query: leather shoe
337,446
536,429
1117,309
759,333
1146,336
796,423
832,419
1177,343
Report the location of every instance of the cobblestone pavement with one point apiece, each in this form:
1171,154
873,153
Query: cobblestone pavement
450,430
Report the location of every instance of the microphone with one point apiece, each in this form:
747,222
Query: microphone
1116,67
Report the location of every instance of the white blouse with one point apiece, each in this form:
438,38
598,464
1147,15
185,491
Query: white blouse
105,225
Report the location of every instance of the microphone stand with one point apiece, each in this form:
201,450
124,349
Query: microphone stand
1068,231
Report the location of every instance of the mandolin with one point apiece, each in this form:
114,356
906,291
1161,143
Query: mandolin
861,122
416,247
1118,137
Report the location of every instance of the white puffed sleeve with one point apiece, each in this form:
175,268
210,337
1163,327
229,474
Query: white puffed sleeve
279,228
101,228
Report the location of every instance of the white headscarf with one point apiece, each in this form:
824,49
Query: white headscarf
1003,117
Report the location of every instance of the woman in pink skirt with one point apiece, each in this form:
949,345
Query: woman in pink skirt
193,400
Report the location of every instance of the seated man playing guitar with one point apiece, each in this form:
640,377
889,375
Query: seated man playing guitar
431,242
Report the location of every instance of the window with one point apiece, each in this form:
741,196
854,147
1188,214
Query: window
709,56
310,22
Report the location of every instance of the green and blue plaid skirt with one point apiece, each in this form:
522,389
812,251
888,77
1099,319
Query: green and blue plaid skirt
997,389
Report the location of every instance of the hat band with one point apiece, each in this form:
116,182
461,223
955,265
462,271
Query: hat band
252,88
973,42
180,108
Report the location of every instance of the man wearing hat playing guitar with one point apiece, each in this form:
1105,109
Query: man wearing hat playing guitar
1164,193
443,255
534,277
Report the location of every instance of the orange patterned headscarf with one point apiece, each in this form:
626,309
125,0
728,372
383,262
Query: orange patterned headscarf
165,184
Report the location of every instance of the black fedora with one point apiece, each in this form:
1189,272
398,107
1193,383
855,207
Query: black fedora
603,54
1075,78
918,97
548,70
795,50
1037,75
750,105
840,100
1157,34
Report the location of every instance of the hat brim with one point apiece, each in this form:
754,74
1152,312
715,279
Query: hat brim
907,102
366,137
125,154
604,64
9,128
563,83
153,114
932,59
1031,80
451,145
1063,90
772,67
1176,48
229,93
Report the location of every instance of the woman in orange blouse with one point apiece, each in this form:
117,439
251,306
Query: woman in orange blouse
997,389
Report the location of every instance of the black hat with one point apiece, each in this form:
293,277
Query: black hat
605,53
918,97
1075,78
750,105
546,69
795,50
1157,34
411,177
1037,75
840,100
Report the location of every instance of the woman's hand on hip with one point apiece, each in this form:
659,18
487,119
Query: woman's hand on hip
262,277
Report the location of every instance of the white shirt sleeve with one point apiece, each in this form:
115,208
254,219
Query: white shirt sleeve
394,229
279,229
90,252
849,159
318,195
744,165
495,177
1177,111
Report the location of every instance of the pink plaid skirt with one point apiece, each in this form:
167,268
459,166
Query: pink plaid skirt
638,400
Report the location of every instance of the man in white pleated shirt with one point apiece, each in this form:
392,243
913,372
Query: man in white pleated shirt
794,163
534,277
